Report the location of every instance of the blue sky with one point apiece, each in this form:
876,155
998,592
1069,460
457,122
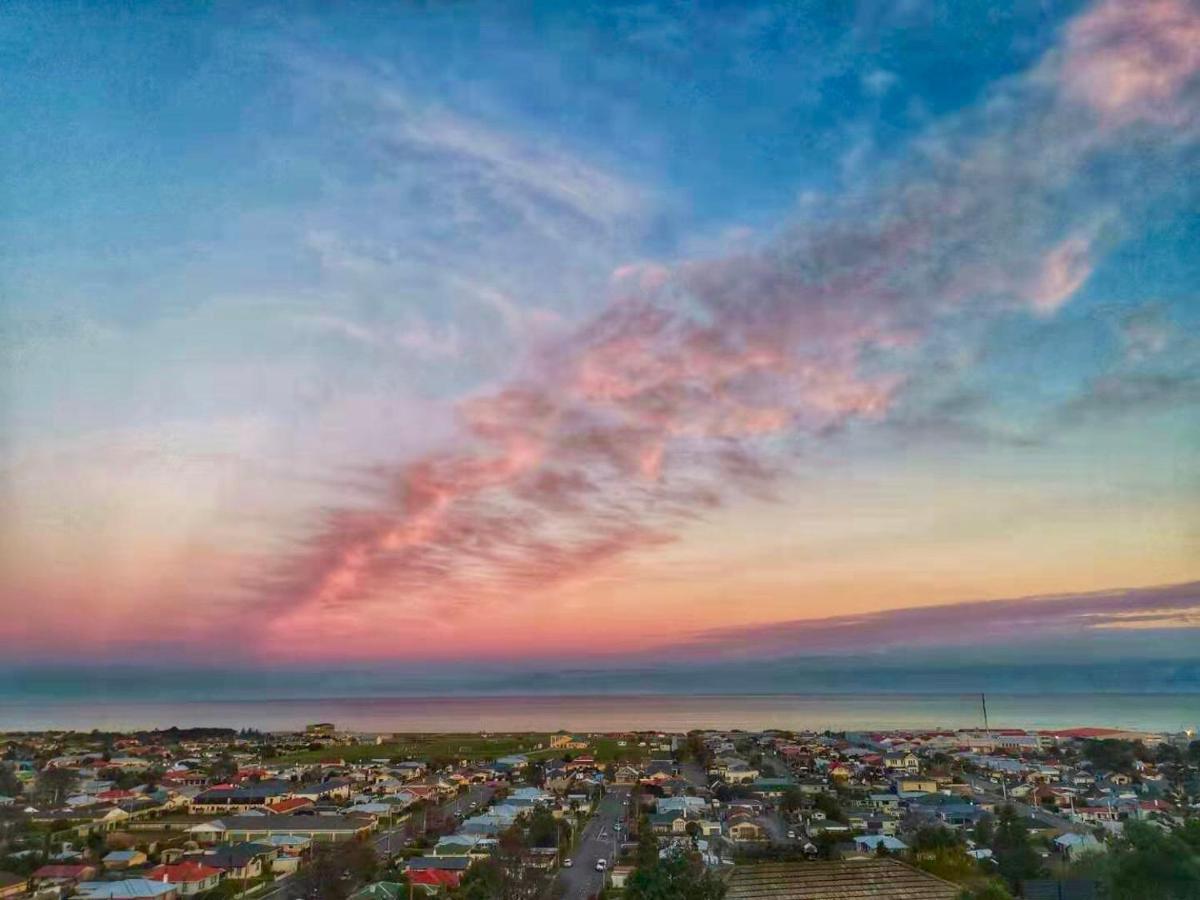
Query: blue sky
893,303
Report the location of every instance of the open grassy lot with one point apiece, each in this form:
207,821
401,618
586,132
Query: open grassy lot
456,747
470,747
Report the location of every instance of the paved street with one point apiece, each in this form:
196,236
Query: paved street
390,841
598,841
989,791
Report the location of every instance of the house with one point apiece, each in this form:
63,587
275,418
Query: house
132,888
329,829
564,741
1073,846
189,876
913,785
457,864
434,879
240,799
746,831
618,875
382,890
872,842
901,761
124,859
865,879
241,862
61,875
626,775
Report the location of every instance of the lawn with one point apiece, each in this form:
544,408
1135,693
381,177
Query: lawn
472,747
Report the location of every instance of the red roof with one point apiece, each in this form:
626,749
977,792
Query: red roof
1084,732
283,806
434,876
185,872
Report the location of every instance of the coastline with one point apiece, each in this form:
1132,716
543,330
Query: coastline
1145,711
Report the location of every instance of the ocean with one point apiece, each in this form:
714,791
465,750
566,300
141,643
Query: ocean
1142,711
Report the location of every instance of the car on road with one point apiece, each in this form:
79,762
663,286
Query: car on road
617,826
601,865
568,862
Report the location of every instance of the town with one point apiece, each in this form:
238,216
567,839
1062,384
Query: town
326,813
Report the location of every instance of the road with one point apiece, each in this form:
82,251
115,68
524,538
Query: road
478,795
392,840
598,841
986,789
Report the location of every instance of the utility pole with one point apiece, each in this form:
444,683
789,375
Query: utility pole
988,731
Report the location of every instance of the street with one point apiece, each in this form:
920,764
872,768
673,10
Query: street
391,840
598,841
987,789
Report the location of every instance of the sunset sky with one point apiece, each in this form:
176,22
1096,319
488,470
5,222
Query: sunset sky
454,332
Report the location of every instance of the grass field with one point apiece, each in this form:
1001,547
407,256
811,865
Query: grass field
470,747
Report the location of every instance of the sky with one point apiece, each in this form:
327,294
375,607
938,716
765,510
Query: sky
445,334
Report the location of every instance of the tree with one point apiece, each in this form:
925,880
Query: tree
224,768
986,890
828,804
1147,862
543,828
791,800
10,784
1111,755
646,855
1016,858
984,832
53,786
677,877
321,879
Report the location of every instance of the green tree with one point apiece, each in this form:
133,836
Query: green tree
1147,862
1016,858
984,832
828,804
646,855
677,877
10,784
543,828
989,889
791,800
53,786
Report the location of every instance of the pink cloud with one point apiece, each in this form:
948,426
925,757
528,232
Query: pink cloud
674,397
955,624
1132,60
1063,271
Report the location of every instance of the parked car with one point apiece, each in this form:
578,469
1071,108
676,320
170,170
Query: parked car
567,863
601,865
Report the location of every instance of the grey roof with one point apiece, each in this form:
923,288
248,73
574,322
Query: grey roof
867,879
292,824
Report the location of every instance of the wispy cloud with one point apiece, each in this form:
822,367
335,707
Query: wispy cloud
682,391
956,624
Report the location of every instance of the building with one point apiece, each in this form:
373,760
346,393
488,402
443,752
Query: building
129,889
189,876
320,729
564,741
318,829
865,879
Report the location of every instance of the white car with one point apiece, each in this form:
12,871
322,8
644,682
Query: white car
567,863
791,835
601,865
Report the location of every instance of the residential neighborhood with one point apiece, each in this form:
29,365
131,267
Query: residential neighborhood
215,813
